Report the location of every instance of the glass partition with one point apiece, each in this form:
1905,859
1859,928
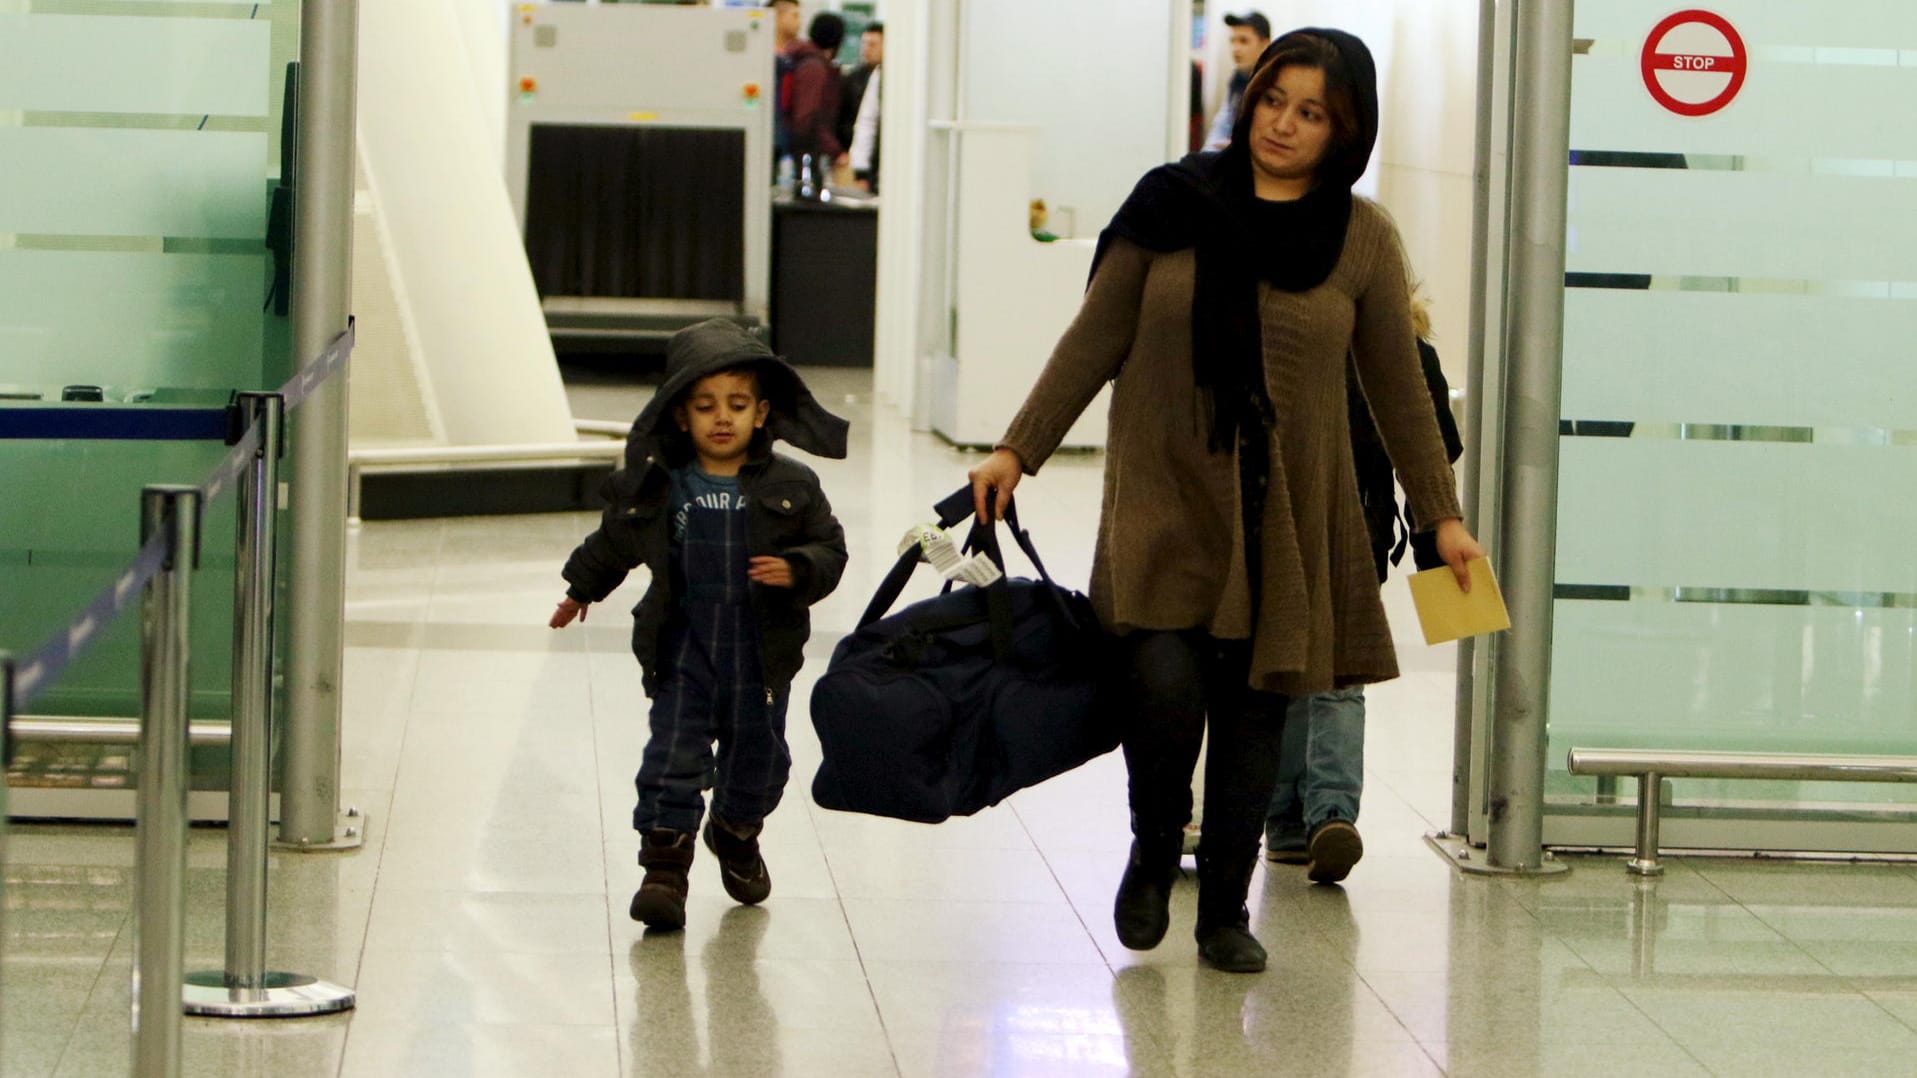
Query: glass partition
142,143
1739,447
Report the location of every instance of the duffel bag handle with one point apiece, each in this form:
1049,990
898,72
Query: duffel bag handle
892,586
984,537
959,506
950,512
998,606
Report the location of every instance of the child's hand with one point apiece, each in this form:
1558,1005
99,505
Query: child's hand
569,609
773,572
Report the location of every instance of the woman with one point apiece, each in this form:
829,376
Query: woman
1232,559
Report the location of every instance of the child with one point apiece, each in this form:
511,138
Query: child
740,541
1314,808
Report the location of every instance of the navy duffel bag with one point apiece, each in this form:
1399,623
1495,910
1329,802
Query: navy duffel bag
956,701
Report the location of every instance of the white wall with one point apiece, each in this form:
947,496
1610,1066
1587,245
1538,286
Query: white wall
1096,79
1427,56
1427,53
901,252
1092,75
482,25
455,249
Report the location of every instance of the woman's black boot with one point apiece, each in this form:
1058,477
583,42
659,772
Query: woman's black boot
1224,924
1142,911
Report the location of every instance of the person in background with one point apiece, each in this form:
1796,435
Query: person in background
1250,33
785,30
1314,809
810,105
863,159
854,88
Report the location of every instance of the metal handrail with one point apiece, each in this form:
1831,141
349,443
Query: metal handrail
484,454
399,458
1793,767
1652,766
606,427
70,730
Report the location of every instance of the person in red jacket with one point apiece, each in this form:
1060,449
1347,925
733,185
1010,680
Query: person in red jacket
809,99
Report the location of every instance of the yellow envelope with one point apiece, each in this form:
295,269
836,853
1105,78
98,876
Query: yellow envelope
1446,613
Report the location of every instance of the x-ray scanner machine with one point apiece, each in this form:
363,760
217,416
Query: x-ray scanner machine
639,159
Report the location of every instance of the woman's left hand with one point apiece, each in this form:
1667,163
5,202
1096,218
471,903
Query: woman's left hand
1458,549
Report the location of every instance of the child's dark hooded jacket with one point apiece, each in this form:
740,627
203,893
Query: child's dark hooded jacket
787,513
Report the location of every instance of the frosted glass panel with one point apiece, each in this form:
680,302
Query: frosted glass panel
98,485
1831,24
1738,488
80,63
1720,514
1659,356
88,181
1708,675
1743,224
132,255
1612,111
177,320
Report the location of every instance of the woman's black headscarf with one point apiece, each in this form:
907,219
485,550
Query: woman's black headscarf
1207,202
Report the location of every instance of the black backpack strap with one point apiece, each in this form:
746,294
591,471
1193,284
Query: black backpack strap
1402,528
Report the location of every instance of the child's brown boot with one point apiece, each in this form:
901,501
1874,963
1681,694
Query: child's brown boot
740,867
660,901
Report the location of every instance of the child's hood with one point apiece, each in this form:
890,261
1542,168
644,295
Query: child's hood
719,345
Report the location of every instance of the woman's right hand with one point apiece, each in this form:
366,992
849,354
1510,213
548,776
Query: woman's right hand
999,472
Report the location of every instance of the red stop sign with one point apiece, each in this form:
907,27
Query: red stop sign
1694,63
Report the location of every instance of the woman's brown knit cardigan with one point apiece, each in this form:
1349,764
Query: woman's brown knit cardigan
1170,551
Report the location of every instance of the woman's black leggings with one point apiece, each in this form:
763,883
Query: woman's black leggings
1179,680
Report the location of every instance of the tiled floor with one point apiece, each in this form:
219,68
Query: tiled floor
484,922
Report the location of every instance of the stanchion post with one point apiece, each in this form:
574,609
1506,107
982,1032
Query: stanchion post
249,796
1464,752
160,850
322,300
245,988
1527,534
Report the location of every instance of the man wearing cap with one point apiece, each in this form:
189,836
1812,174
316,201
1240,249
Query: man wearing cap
1250,33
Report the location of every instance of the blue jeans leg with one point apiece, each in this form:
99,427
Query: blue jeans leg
1335,756
1322,773
1285,819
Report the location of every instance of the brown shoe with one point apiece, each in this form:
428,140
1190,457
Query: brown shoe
1335,846
660,901
741,868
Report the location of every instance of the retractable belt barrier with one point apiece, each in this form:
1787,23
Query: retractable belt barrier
41,668
161,572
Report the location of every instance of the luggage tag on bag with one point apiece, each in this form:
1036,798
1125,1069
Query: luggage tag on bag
977,570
